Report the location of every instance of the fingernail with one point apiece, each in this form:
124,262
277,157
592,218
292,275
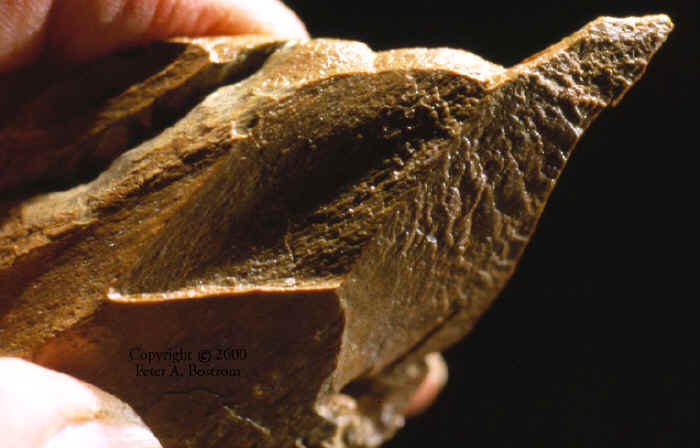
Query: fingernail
100,435
430,388
437,367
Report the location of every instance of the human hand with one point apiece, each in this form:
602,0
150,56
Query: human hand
40,408
77,30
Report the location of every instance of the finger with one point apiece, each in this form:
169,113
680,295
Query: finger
77,30
22,31
40,408
433,383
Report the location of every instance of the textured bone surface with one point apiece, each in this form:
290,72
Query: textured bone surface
331,213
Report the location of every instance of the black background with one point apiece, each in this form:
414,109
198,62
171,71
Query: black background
592,343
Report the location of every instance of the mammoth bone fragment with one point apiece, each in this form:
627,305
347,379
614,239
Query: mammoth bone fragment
281,231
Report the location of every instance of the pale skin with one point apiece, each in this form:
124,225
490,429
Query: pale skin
40,408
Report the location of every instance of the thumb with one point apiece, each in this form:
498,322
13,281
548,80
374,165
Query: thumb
78,30
41,408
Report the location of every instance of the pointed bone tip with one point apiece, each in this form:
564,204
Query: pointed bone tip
660,20
654,24
647,33
639,36
644,34
609,45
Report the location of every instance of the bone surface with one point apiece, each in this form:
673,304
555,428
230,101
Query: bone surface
292,226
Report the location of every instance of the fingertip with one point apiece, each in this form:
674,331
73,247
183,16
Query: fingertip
262,16
222,17
430,388
34,401
99,435
43,408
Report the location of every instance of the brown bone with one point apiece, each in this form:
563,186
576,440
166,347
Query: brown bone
330,213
